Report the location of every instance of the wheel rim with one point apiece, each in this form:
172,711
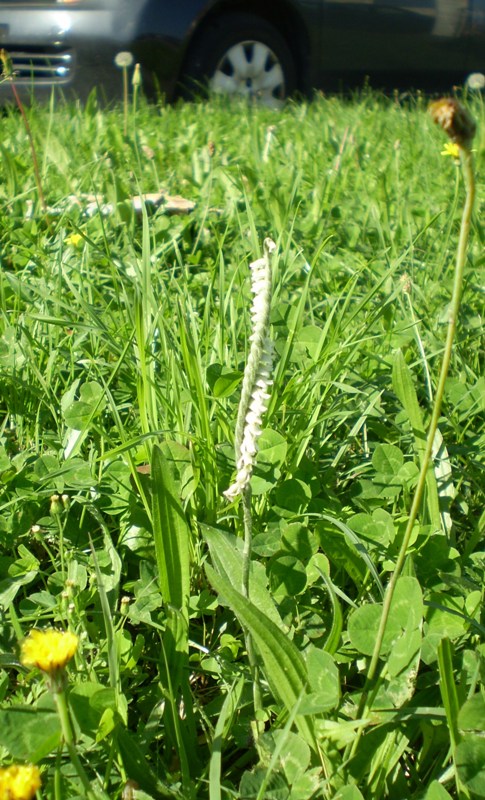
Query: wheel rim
250,69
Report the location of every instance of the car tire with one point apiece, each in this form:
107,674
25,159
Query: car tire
241,54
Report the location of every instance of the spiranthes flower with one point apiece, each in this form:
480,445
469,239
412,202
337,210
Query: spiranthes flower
19,782
451,149
49,650
455,120
257,375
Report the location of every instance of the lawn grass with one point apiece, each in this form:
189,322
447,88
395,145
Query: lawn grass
123,339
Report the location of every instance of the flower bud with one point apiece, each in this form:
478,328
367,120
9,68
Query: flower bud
455,120
55,506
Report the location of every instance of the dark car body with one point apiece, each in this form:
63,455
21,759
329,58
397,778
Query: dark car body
73,45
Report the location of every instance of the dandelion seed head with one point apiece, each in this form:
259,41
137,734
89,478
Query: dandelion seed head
124,59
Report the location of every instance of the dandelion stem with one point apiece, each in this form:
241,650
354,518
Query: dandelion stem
33,151
67,735
469,178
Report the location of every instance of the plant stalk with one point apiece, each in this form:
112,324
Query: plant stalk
469,178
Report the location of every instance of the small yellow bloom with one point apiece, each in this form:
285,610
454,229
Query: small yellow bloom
75,239
451,149
19,782
48,650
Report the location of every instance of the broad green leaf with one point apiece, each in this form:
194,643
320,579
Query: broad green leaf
293,753
349,793
287,576
470,763
293,495
29,734
10,586
404,651
387,459
80,413
312,338
471,716
284,666
333,638
227,384
272,448
407,603
172,549
444,618
253,783
437,792
86,714
375,529
363,626
226,555
324,682
222,381
298,540
405,615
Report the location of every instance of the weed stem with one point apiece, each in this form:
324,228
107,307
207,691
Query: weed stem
469,177
67,734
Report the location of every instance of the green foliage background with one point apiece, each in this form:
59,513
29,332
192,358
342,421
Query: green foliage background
123,337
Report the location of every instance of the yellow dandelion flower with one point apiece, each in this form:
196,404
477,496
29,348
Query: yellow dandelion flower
19,782
49,650
74,239
451,149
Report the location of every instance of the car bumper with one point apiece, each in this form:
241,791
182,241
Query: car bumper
70,50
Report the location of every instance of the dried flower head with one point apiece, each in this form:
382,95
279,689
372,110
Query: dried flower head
49,650
455,120
19,782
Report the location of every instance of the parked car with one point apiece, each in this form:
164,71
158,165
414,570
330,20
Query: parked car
262,48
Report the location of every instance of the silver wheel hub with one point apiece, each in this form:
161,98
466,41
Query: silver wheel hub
250,69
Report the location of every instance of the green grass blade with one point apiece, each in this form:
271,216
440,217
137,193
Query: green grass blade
451,703
171,535
228,710
404,388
